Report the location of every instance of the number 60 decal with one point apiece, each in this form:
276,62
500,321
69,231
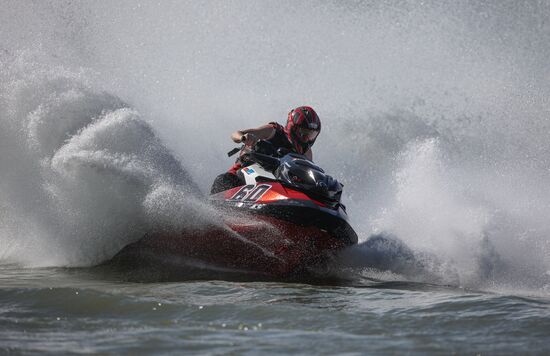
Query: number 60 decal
250,193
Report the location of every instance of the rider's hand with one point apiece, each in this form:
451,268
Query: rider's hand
249,139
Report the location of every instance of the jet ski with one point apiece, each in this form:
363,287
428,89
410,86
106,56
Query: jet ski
286,216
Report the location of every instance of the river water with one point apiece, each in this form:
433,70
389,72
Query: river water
85,311
115,117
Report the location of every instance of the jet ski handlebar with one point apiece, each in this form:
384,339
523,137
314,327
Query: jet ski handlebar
262,153
234,151
264,160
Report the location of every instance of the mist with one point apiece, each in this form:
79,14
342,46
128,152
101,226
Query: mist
435,117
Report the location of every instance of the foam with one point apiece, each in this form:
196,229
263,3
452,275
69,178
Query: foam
79,170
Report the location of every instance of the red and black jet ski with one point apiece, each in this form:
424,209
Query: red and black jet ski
286,216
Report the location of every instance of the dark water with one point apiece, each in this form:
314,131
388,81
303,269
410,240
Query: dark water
69,311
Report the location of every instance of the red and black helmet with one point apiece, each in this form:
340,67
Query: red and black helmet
302,128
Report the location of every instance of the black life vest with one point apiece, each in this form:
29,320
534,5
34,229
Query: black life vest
280,139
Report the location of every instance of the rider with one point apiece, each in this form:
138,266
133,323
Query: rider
299,134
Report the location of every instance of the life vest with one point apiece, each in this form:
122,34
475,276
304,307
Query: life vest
280,139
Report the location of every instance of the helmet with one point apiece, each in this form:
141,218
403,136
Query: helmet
302,128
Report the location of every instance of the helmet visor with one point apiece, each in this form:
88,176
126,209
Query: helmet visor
307,135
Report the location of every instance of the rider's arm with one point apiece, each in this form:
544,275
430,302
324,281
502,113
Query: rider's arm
309,154
250,136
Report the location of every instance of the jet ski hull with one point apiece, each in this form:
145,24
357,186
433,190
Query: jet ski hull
276,234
